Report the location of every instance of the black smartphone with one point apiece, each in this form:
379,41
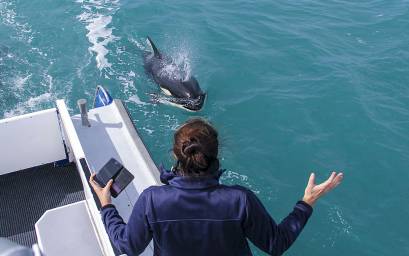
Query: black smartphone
116,171
121,181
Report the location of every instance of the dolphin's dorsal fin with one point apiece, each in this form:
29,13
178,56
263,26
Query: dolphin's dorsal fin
155,50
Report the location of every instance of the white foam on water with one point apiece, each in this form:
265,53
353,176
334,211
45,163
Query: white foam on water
100,36
20,81
47,81
337,218
135,99
340,226
30,105
137,43
9,17
359,40
33,103
235,177
37,50
129,88
97,16
171,123
126,82
149,131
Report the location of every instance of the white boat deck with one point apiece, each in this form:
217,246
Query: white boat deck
52,137
113,135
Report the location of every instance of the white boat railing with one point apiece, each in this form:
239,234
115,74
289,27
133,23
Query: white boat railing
113,135
77,153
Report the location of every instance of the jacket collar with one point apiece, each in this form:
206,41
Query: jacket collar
169,177
194,182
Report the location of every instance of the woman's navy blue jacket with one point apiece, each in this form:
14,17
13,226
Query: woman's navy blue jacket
199,216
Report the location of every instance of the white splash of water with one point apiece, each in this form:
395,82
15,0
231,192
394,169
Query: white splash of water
235,177
30,105
360,41
128,83
171,123
131,74
135,99
172,71
183,61
138,44
340,226
337,218
179,67
47,81
97,16
149,131
97,30
20,81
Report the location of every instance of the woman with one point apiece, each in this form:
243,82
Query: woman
193,214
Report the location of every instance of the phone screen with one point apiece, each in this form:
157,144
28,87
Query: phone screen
122,180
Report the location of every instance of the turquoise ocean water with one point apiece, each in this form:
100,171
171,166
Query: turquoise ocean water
293,87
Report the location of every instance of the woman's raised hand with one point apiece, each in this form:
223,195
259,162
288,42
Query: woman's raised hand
313,191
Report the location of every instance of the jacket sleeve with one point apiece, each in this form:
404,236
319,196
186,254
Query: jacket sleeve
262,230
131,238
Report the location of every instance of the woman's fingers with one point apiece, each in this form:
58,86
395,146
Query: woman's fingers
108,185
103,194
93,183
330,179
314,192
311,180
336,180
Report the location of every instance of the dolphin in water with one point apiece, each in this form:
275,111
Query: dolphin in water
181,91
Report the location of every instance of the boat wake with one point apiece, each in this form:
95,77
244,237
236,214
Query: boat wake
97,15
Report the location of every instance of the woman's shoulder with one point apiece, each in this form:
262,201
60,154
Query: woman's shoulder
239,190
155,189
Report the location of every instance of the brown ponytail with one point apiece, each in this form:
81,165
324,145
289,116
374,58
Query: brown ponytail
196,148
